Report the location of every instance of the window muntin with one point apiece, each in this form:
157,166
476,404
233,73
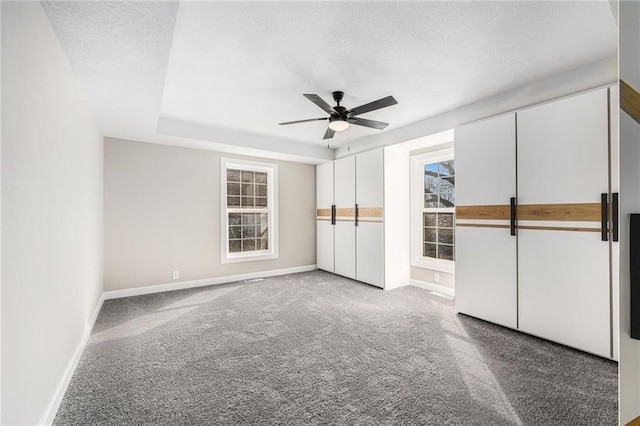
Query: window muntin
249,210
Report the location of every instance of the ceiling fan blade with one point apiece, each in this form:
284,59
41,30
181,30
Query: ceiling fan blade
303,121
321,103
368,123
372,106
329,133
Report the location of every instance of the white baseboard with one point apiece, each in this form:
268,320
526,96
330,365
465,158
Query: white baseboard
51,410
158,288
433,287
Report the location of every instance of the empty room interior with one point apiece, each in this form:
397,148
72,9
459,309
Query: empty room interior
320,213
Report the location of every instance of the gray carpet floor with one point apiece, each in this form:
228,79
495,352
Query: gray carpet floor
314,348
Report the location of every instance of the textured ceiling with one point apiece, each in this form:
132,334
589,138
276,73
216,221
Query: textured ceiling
243,66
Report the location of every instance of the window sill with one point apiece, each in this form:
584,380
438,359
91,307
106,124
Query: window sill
449,268
249,257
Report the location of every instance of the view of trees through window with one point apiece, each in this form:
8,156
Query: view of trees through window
438,216
247,207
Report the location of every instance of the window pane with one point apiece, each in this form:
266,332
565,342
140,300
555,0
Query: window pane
235,232
248,232
261,177
248,218
235,246
450,181
445,220
264,244
430,235
429,250
431,185
233,201
431,201
261,201
247,189
446,168
247,176
445,252
247,202
233,175
233,188
445,236
234,218
261,190
249,245
448,199
429,219
431,169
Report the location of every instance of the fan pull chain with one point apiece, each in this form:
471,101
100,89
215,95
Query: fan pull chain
349,139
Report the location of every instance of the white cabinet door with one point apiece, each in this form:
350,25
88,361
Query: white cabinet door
370,178
345,249
345,230
563,266
324,245
345,182
324,186
370,253
486,263
370,230
324,228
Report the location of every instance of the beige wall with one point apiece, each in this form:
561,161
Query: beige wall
162,213
51,214
426,275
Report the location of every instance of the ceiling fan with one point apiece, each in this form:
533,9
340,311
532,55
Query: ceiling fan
340,117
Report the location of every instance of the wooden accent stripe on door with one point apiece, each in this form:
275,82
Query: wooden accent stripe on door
577,212
630,101
350,213
497,212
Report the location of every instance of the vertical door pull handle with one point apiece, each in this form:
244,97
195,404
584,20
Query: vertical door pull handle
614,218
356,214
333,214
513,215
605,216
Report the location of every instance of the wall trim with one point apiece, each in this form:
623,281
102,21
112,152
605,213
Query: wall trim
433,287
52,409
158,288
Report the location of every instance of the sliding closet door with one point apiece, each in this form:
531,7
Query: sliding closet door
324,227
370,230
345,230
563,264
486,279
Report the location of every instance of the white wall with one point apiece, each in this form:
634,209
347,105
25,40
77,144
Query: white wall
629,370
52,155
162,213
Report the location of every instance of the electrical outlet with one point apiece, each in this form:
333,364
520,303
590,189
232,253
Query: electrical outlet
176,275
436,277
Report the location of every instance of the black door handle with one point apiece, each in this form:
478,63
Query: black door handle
514,213
333,214
356,215
614,218
604,201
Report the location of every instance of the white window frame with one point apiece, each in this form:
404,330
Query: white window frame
272,210
417,208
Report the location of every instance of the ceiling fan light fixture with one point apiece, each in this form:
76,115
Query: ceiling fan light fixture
338,125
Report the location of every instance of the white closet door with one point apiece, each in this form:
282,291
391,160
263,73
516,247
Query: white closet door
324,228
369,178
370,230
324,245
345,201
563,265
324,186
486,263
345,249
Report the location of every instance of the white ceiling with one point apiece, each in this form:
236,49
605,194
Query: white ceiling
228,72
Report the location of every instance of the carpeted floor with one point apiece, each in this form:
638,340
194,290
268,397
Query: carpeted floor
314,348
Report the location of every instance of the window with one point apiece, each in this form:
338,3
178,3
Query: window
433,210
248,210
